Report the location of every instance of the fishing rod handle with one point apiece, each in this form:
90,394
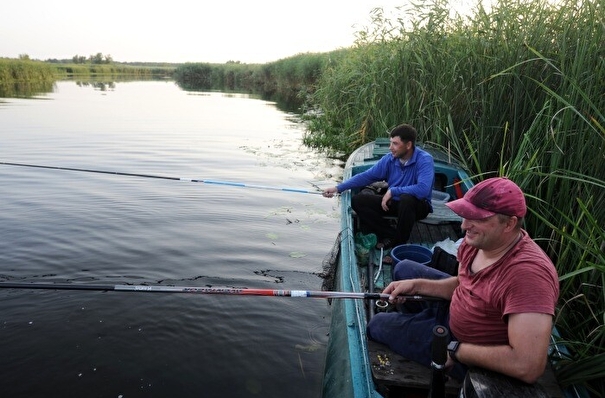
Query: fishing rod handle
439,345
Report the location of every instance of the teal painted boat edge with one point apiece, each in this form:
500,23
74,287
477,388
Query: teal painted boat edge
363,384
351,375
347,371
337,378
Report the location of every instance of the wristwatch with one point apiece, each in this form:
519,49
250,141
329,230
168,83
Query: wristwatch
452,348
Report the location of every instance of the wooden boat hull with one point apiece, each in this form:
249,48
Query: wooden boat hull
348,371
358,368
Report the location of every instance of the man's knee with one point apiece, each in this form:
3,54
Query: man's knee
365,201
408,269
411,204
374,325
355,199
407,199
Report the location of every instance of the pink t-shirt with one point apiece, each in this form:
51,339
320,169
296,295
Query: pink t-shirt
523,280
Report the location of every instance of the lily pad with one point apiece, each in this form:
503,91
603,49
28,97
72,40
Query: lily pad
308,348
272,236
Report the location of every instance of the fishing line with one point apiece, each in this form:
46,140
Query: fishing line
214,182
379,265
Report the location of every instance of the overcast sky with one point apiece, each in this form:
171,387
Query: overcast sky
217,31
250,31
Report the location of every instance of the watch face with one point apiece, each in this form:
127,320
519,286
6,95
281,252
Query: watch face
452,346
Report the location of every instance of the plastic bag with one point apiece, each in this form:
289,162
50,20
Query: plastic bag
363,246
448,245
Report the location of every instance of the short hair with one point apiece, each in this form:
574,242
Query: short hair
405,132
503,219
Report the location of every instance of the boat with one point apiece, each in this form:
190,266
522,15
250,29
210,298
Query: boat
357,367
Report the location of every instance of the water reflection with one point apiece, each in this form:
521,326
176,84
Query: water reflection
36,89
101,86
290,103
25,89
67,227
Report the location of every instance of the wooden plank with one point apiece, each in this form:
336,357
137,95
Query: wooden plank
504,386
396,372
430,233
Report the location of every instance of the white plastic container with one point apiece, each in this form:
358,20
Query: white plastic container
439,198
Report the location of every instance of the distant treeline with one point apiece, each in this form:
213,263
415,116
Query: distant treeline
288,80
114,69
27,70
24,77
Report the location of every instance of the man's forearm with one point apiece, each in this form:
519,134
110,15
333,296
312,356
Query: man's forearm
503,359
442,288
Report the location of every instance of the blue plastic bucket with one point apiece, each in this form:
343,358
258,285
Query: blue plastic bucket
417,253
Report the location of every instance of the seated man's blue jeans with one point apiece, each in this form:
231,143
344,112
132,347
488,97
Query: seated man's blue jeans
409,331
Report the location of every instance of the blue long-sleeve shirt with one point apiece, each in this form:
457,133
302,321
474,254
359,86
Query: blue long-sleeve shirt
416,177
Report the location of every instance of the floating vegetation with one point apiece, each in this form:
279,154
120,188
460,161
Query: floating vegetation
314,346
272,236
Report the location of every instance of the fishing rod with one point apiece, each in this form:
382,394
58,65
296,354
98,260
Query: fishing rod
215,182
211,290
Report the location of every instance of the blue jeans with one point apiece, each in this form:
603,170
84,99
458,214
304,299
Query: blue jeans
409,331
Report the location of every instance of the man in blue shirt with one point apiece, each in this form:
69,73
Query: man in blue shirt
410,173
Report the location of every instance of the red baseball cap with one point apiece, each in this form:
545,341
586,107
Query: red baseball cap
493,196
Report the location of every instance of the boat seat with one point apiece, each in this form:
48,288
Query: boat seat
441,214
397,373
426,231
505,386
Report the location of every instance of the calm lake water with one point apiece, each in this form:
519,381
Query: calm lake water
87,228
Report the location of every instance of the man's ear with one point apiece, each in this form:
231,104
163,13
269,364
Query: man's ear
512,222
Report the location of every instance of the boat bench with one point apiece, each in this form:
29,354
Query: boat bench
504,386
397,374
441,215
438,226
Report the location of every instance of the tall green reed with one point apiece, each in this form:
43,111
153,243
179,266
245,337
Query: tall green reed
514,90
14,70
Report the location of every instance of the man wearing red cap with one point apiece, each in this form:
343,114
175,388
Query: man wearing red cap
501,303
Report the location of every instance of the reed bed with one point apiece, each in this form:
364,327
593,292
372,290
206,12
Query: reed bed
516,90
13,70
287,81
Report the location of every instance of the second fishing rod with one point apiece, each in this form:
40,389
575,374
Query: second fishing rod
163,177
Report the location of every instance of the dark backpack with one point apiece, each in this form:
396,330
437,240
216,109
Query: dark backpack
443,261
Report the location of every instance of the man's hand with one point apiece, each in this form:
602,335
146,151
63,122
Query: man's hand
399,288
330,192
386,199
